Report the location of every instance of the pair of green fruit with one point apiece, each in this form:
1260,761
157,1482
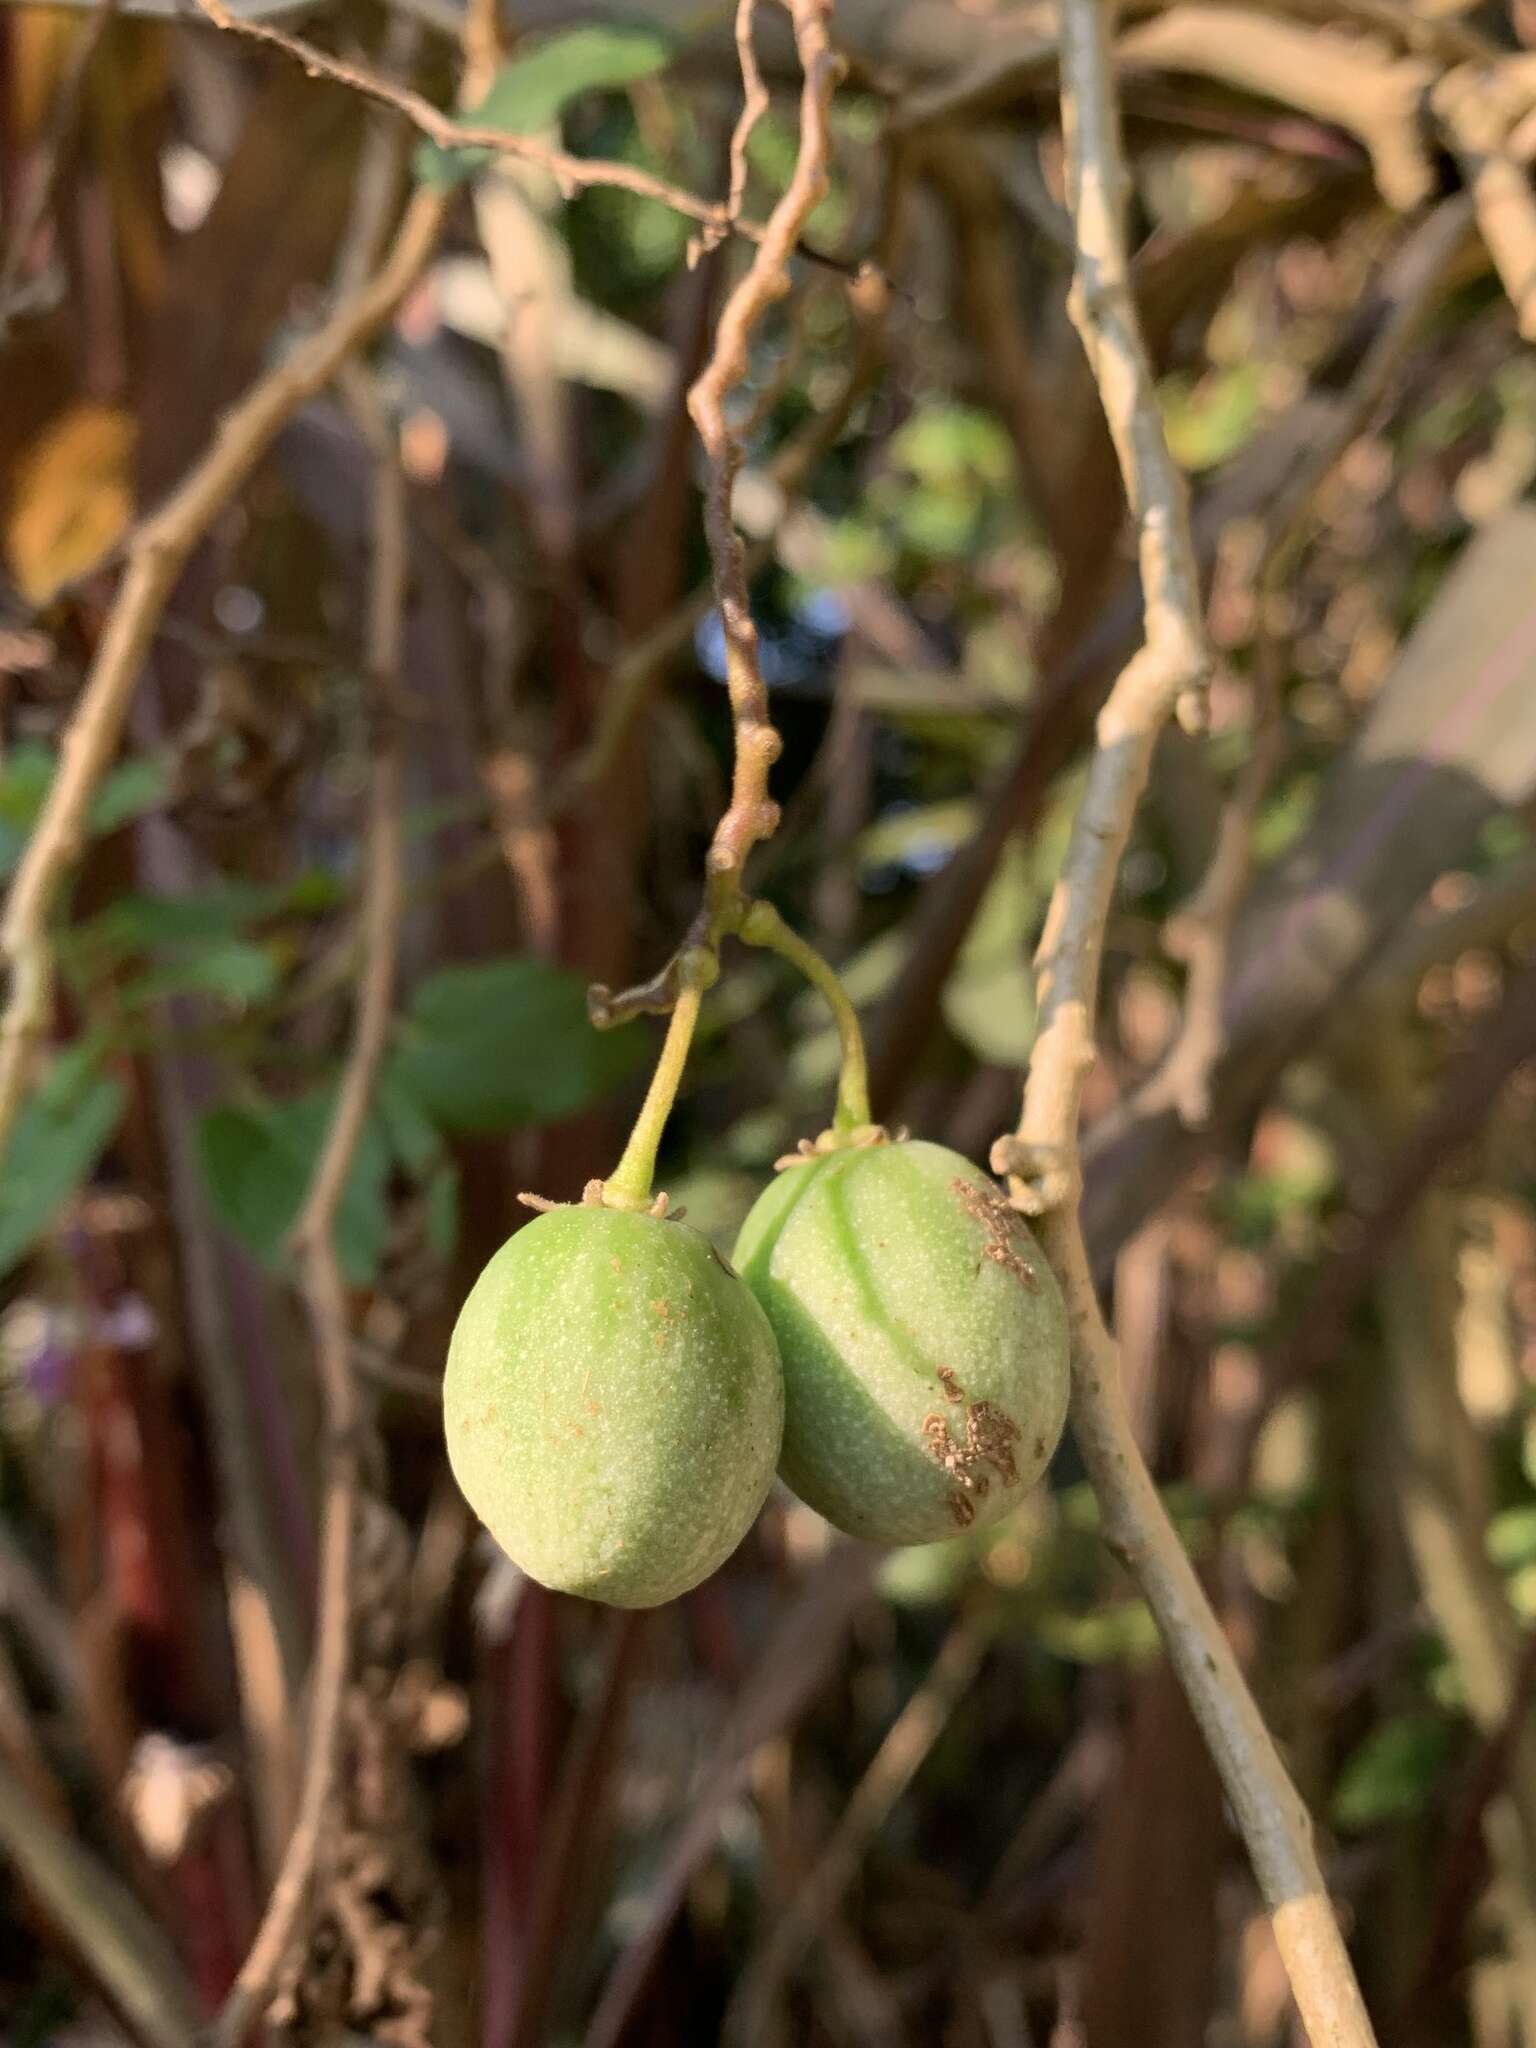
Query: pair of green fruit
617,1397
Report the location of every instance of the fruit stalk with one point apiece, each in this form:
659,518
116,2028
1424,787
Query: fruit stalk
762,926
629,1185
751,815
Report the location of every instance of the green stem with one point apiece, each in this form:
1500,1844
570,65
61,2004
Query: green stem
761,925
629,1185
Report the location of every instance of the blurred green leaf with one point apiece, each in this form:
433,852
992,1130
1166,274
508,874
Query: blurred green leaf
505,1044
128,791
1393,1772
989,999
1120,1632
951,444
61,1133
918,836
1211,420
443,1208
135,923
415,1139
531,91
1512,1537
929,1574
947,483
258,1163
234,969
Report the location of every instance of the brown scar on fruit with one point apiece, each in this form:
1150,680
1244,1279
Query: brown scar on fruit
992,1212
990,1436
953,1391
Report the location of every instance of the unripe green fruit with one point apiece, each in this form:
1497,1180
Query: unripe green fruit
613,1404
923,1336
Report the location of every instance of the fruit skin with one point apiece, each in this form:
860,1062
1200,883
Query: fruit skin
923,1335
613,1404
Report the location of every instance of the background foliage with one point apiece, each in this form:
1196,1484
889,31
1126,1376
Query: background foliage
559,1824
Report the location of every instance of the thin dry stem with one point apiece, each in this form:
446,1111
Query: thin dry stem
1200,934
1482,109
41,173
1337,78
635,670
751,815
100,1919
1042,1159
754,105
571,173
314,1237
909,1741
156,554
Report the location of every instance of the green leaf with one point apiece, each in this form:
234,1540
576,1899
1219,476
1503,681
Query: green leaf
414,1139
258,1164
59,1136
1391,1775
1512,1537
135,923
236,970
505,1044
130,789
24,781
989,999
1211,420
1120,1632
532,91
443,1209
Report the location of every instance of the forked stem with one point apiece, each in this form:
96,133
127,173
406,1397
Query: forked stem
761,925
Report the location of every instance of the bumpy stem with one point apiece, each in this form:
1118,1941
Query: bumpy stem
762,925
629,1185
751,815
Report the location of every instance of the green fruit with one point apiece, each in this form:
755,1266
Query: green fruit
613,1404
923,1336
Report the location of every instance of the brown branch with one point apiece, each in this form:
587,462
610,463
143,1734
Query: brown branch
1465,1102
1481,107
1335,78
1042,1158
1462,1859
755,103
99,1918
314,1236
41,172
1506,900
1442,1491
1200,934
775,1692
571,173
751,815
895,1763
788,471
155,556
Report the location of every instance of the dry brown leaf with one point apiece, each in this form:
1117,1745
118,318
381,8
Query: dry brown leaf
73,498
